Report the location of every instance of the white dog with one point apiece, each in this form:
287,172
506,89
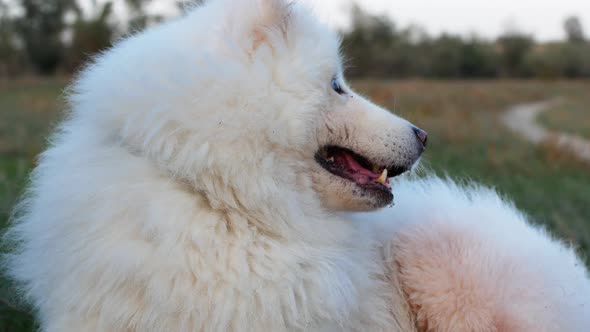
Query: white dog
200,184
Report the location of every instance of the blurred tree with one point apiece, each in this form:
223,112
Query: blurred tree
369,43
41,27
414,46
479,59
447,57
90,35
453,57
574,30
183,5
514,49
576,59
11,55
139,16
37,31
380,50
546,61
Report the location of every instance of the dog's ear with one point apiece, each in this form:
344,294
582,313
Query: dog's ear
272,21
274,13
252,23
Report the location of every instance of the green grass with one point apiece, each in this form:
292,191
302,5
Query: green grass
466,140
28,109
570,116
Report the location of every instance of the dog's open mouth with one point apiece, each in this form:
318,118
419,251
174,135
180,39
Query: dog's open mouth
356,168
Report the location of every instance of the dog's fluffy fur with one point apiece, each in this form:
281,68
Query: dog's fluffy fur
182,194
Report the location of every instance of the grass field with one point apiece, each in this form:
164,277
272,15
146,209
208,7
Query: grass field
569,116
28,109
466,140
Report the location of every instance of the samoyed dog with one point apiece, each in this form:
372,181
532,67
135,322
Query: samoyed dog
216,173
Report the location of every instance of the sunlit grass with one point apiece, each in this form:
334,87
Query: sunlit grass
571,116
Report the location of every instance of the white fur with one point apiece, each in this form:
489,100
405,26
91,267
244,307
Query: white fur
472,262
181,193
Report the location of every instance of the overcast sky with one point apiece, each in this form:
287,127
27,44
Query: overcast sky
488,18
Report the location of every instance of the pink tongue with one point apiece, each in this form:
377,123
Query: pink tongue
358,172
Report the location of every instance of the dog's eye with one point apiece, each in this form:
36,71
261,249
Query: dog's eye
336,86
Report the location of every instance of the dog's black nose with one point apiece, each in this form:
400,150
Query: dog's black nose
421,134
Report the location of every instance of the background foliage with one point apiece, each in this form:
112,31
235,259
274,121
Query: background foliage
382,49
49,36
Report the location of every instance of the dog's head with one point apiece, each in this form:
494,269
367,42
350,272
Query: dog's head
249,96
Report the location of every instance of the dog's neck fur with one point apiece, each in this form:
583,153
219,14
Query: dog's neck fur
284,210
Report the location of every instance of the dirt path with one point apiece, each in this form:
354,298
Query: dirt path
522,119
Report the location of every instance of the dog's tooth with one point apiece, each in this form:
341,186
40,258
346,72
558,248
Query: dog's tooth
331,159
383,178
